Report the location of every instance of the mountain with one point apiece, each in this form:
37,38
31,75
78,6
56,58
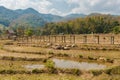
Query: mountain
6,16
26,11
30,20
7,13
29,16
73,16
51,18
46,17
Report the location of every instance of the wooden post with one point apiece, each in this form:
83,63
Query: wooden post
17,39
64,39
85,39
37,39
112,39
44,38
73,38
49,39
59,38
98,40
31,39
55,38
22,39
27,41
40,38
70,38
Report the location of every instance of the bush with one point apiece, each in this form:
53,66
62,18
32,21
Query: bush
2,71
65,55
80,56
116,30
104,49
50,64
62,55
10,71
59,54
96,72
110,60
36,71
76,71
91,58
50,52
115,70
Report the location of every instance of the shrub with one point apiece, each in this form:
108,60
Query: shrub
50,64
2,71
110,60
8,43
66,55
116,29
59,54
36,71
91,58
115,70
12,58
104,49
10,71
50,52
44,60
80,56
76,71
52,70
96,72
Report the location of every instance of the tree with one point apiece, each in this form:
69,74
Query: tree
116,29
29,32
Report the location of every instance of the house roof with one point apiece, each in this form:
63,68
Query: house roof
11,31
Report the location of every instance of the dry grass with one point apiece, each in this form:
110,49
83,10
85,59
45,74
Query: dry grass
74,53
30,52
16,65
25,55
39,77
58,77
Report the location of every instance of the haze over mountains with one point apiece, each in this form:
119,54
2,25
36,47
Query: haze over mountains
30,17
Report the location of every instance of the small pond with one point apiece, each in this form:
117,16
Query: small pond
60,63
34,66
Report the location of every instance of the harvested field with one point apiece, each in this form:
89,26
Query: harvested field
32,60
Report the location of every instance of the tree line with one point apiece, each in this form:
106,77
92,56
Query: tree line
90,24
87,25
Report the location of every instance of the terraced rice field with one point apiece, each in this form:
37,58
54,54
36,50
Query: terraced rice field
37,63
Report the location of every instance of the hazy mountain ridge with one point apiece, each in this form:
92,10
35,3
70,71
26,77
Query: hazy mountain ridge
73,16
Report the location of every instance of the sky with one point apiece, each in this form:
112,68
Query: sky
65,7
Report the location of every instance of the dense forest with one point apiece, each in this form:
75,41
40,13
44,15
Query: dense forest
87,25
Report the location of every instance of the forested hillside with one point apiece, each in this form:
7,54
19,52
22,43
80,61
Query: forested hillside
87,25
29,16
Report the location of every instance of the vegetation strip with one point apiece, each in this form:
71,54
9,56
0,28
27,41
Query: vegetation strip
11,58
52,70
52,54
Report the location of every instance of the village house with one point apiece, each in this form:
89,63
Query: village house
11,34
